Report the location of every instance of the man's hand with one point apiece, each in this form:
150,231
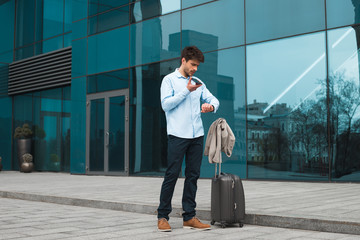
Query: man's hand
192,87
207,108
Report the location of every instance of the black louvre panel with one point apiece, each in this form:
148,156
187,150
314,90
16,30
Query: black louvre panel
40,72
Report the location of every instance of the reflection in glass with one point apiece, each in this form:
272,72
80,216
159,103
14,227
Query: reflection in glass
116,133
146,9
344,91
53,18
287,112
48,114
108,81
155,39
97,133
106,51
223,72
203,26
25,11
279,18
109,20
99,6
342,13
148,139
190,3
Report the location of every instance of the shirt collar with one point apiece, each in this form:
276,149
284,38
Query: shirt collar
178,74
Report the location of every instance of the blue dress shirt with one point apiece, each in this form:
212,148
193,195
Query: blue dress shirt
182,107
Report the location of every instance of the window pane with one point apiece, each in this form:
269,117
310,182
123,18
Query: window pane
287,113
49,45
146,9
205,26
155,39
24,52
25,11
280,18
108,81
7,14
148,137
99,6
223,72
190,3
79,29
79,61
342,12
68,15
53,18
107,50
109,20
344,59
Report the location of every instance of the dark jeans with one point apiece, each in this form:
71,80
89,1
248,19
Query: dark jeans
192,149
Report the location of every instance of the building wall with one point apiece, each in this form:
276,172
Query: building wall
285,71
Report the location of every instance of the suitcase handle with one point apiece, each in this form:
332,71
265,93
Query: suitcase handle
216,169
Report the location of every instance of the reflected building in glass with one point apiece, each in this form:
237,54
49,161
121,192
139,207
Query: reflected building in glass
85,75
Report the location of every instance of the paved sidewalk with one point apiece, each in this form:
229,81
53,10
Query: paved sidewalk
330,207
30,220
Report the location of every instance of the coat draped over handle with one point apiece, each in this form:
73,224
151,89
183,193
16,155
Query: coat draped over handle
220,138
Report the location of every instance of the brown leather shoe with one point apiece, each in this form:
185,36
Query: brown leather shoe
163,225
195,223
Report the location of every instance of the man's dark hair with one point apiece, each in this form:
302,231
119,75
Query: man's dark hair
192,53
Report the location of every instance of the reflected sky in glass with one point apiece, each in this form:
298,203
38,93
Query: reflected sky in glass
281,72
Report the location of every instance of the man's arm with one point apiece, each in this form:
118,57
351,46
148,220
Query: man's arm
168,99
209,99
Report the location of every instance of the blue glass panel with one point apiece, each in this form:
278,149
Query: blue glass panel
66,129
190,3
39,17
286,107
280,18
79,49
22,113
68,16
109,20
223,72
342,12
209,32
155,39
344,82
148,139
4,79
67,40
79,9
7,11
99,6
79,29
107,51
25,11
5,131
49,45
53,18
108,81
146,9
24,52
78,125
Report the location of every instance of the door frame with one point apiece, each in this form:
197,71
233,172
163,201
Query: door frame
106,96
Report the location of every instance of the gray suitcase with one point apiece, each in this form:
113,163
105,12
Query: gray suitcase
227,200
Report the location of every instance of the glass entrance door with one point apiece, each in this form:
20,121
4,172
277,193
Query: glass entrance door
107,133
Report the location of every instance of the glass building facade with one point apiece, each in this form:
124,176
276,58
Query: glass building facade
286,73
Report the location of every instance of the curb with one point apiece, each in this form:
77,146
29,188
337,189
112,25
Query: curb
253,219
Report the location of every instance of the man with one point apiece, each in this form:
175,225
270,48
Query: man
181,93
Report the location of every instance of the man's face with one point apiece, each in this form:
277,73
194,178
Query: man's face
190,67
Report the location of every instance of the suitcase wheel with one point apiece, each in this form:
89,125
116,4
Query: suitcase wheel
223,225
241,225
212,222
